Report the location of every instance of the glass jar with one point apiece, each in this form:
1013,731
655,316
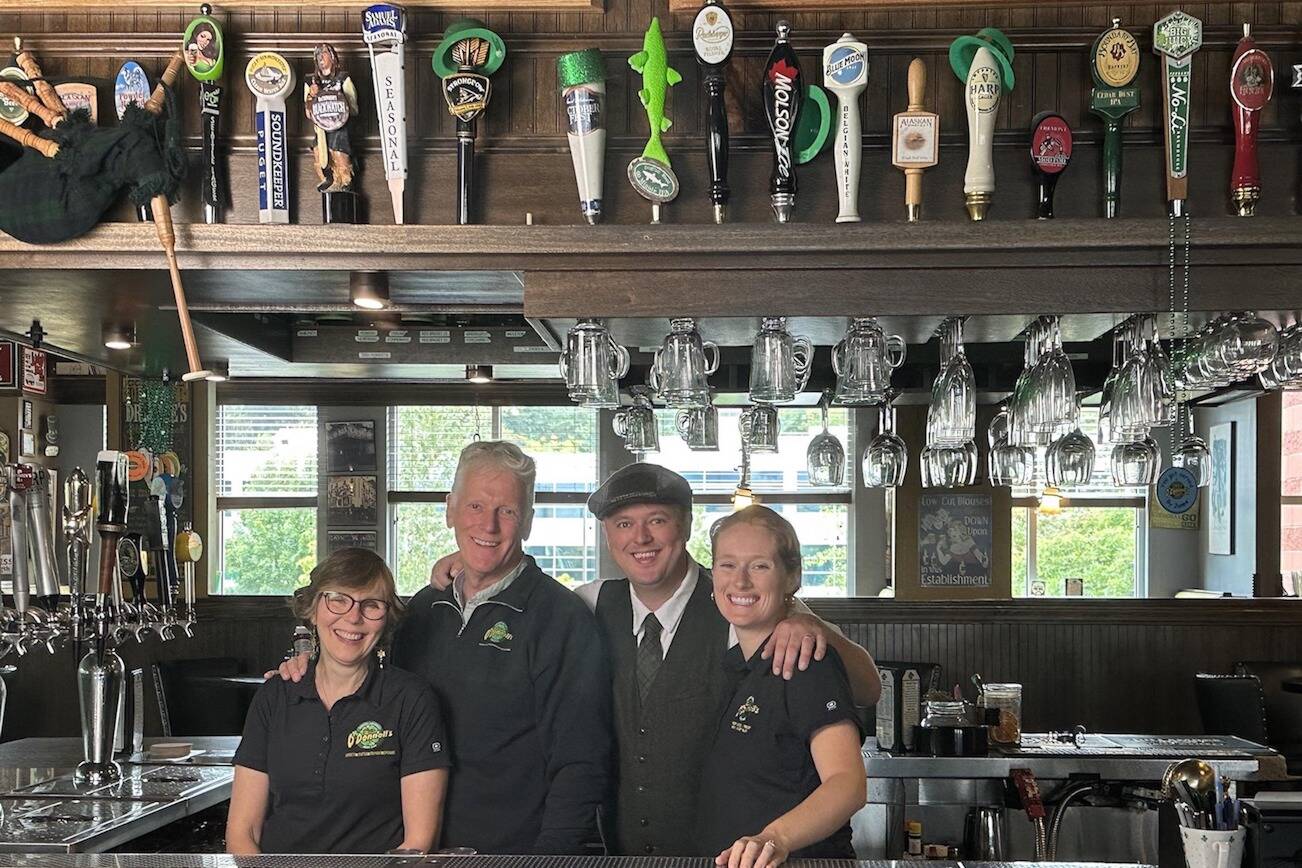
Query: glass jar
941,712
1008,699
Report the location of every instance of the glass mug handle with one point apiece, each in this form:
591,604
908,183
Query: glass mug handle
564,364
838,353
710,349
896,349
618,360
653,374
802,353
684,422
620,423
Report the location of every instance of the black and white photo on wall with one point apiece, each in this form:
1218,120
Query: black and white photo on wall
350,446
350,501
1220,494
351,539
28,415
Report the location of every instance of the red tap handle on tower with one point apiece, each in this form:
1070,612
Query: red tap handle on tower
1252,81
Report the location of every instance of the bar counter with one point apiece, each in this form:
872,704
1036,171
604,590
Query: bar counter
199,860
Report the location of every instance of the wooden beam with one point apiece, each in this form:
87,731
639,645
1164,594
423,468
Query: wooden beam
498,5
799,6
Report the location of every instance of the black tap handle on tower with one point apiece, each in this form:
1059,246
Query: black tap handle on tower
170,566
783,97
465,169
111,500
712,36
133,561
157,546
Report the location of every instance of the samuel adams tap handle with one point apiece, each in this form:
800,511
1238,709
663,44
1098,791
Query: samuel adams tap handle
1176,37
204,51
1252,82
783,97
712,35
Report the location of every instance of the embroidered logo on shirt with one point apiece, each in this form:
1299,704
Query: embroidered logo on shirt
368,736
831,706
437,746
745,709
497,634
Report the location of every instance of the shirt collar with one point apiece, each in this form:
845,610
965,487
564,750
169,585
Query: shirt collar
671,610
734,660
498,587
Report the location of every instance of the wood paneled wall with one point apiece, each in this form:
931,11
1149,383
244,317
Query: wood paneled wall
524,161
1114,666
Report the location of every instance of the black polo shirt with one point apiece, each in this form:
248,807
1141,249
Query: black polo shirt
760,766
336,776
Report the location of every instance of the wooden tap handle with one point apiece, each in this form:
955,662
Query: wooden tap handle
20,95
167,237
913,187
29,139
917,84
108,562
32,69
155,103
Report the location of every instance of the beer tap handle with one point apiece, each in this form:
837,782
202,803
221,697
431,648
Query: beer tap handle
783,98
983,95
204,51
468,54
916,140
41,542
1115,64
1050,153
22,591
111,500
1252,82
1176,37
845,71
712,37
465,169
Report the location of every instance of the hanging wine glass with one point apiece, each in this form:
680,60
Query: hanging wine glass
1069,460
886,459
1136,462
951,415
1192,453
825,457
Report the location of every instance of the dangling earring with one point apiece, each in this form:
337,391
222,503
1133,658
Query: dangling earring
316,643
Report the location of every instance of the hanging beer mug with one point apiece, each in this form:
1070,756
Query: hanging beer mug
682,366
592,365
759,428
825,457
637,424
699,428
779,363
864,360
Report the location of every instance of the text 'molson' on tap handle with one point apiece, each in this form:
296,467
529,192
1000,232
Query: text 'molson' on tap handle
783,98
1252,83
712,38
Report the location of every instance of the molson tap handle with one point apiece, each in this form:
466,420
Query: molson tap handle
1050,154
916,140
582,78
1176,37
205,56
984,63
1114,67
845,72
712,36
783,98
1252,83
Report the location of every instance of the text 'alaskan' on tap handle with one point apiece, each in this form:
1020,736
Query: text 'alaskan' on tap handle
1252,81
783,98
712,37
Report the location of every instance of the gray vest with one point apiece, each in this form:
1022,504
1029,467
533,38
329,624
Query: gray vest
662,743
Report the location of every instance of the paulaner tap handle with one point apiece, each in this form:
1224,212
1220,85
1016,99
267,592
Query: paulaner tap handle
783,97
712,37
1252,82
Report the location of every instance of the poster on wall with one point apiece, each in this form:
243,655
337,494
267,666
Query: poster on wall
34,371
1220,493
156,428
8,365
954,540
350,539
351,446
1175,502
351,500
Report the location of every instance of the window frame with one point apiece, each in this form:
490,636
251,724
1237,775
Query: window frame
1138,504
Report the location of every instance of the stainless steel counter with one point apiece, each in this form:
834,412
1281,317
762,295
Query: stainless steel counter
42,810
91,860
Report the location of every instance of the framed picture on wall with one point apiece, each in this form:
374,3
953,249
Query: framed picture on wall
28,415
351,501
1220,493
351,446
350,539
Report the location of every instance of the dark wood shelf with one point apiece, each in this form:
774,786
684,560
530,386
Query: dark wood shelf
804,269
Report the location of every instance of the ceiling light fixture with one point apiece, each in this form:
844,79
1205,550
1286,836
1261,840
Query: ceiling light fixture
1051,502
479,374
119,337
369,290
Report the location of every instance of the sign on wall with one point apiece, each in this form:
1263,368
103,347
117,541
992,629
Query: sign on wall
954,540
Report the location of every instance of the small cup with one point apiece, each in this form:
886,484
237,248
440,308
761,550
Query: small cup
1205,848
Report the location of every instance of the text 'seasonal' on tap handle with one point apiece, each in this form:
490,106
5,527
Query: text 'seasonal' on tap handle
712,37
783,97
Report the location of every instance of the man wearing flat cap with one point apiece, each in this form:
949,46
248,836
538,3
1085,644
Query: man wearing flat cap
667,641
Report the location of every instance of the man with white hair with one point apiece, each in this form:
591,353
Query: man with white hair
518,663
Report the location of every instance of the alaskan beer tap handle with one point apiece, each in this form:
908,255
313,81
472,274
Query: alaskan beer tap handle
1252,82
917,94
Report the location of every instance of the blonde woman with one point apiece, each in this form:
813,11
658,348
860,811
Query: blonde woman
785,773
354,757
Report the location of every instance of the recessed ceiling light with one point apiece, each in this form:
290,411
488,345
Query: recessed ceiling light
479,373
119,337
369,290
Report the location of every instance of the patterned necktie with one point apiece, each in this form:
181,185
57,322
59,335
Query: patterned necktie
649,655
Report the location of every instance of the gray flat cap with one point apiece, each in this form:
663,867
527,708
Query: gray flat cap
640,483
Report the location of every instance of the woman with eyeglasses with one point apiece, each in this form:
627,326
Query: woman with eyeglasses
354,757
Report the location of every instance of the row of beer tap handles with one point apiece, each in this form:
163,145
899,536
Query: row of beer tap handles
983,63
95,610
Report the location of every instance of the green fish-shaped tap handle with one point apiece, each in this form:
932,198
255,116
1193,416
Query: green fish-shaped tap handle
651,174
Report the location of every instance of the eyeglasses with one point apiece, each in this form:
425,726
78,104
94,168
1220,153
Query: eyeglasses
341,604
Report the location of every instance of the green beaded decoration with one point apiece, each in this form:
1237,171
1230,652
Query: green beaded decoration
157,409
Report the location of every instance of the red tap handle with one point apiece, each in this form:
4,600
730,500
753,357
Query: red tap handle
1252,81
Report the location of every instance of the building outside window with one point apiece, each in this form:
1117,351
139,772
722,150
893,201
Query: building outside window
1098,538
266,473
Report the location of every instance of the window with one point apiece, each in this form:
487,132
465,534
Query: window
266,476
1097,538
821,516
424,444
1290,535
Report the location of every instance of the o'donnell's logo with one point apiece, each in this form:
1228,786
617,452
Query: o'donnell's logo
368,736
498,633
